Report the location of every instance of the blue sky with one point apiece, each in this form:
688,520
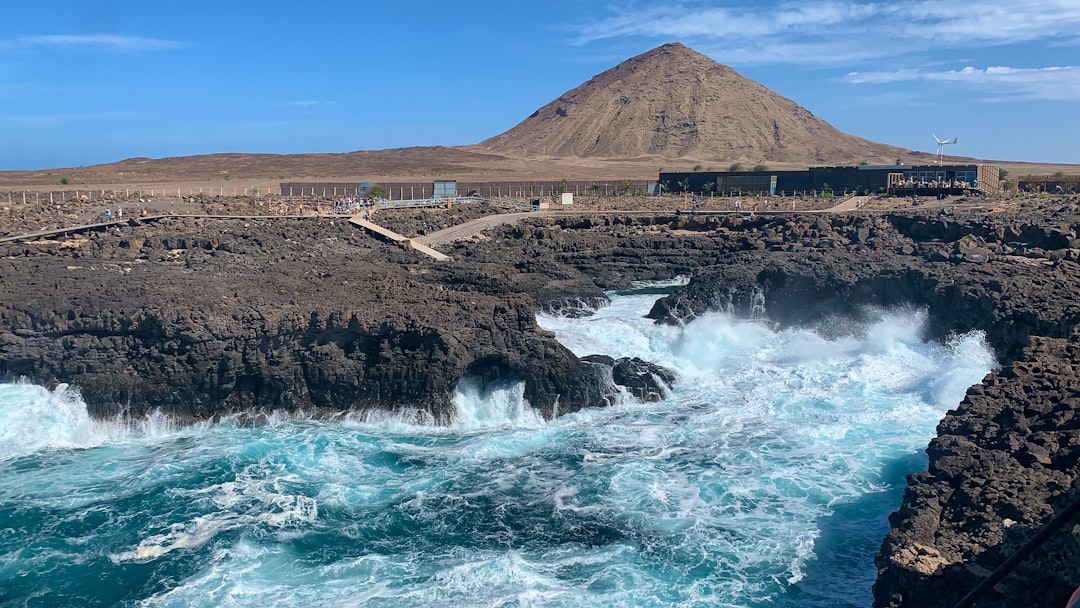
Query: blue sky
86,82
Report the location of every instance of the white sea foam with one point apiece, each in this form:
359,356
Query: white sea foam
33,418
253,499
797,422
499,404
724,494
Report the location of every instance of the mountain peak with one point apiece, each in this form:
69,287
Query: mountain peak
674,102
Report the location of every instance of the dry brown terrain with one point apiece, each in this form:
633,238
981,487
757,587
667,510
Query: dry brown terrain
669,109
674,102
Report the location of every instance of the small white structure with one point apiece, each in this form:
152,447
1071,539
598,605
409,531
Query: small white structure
941,143
568,198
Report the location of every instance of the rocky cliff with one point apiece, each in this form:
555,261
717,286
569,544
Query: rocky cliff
1006,460
202,318
207,317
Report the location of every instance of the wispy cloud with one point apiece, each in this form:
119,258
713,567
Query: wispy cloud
1000,83
838,31
310,103
102,42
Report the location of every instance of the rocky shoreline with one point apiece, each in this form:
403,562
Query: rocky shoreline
206,317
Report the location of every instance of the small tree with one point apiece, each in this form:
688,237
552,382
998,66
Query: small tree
562,185
761,168
375,192
64,181
735,167
698,168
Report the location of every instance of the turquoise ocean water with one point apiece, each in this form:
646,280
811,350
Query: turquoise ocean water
765,480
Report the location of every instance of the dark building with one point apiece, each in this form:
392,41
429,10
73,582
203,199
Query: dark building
897,180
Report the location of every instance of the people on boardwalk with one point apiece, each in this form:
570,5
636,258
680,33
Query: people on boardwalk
108,215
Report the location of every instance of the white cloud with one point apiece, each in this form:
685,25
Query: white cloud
310,103
1061,83
103,42
835,32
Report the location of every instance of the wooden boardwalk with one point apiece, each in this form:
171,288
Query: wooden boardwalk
397,238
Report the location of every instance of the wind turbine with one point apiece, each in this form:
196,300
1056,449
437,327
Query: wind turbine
941,143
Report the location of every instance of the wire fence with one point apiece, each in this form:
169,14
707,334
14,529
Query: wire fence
512,189
62,196
389,191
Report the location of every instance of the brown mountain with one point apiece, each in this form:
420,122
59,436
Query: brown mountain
673,102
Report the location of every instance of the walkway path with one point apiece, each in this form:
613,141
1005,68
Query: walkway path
850,204
397,238
422,244
474,227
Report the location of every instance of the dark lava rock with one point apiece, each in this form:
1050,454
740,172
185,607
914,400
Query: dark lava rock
205,317
641,379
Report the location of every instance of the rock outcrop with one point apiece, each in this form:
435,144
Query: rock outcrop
1008,458
207,317
203,318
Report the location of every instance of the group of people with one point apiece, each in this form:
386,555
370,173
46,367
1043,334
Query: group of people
350,206
737,206
342,206
109,214
765,205
913,183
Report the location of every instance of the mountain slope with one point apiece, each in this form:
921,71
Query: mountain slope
673,102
